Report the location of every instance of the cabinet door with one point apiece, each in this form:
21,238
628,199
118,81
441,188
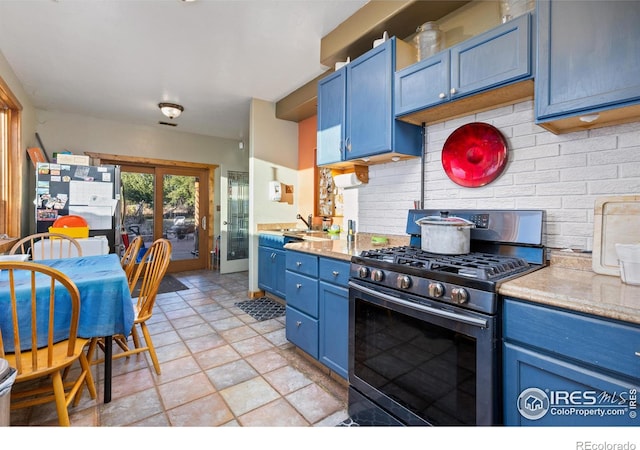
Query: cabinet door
423,84
334,327
331,118
587,56
499,56
279,274
540,390
266,268
369,105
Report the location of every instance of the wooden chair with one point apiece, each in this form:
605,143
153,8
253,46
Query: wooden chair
47,246
147,278
53,356
130,257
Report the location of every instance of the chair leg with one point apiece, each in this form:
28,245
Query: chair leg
61,403
88,380
92,350
136,337
152,350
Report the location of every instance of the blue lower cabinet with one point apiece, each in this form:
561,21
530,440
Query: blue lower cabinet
541,390
334,327
302,330
564,368
318,308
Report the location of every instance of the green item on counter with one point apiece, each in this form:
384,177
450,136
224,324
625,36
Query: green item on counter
379,240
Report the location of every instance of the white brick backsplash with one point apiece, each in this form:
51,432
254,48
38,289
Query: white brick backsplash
538,152
561,174
562,161
618,156
549,176
566,188
590,173
630,170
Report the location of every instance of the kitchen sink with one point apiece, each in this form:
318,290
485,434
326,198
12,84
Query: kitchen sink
302,234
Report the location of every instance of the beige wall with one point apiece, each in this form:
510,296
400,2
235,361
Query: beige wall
28,137
79,134
273,156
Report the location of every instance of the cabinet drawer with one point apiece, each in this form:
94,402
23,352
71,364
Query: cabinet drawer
302,263
302,331
608,345
334,271
302,293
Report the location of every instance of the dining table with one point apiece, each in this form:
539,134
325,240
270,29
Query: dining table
106,306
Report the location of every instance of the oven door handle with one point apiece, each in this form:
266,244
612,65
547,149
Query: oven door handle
435,311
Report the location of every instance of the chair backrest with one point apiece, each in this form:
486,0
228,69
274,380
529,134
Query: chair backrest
150,271
130,257
47,246
43,307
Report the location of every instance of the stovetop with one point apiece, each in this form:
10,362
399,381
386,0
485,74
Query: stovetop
505,244
476,265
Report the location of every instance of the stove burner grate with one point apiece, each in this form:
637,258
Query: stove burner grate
481,266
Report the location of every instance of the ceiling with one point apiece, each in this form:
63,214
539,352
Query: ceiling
117,59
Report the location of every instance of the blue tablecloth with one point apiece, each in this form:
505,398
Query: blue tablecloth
106,307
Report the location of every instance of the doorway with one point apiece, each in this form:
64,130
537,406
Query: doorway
171,199
171,203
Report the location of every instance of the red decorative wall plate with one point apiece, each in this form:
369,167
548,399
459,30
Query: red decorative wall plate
475,154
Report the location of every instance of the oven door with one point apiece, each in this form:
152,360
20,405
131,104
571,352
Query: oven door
416,361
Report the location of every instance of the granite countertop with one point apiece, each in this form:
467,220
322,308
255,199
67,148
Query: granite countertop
569,282
341,249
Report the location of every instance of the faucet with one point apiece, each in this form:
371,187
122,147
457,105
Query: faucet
306,222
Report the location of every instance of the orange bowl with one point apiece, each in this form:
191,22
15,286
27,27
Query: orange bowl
69,221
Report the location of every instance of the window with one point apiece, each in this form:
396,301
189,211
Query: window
11,163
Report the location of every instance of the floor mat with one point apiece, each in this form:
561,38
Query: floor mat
168,284
262,308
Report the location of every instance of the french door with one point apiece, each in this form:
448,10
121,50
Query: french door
172,203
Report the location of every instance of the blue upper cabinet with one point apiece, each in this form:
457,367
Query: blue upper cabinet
356,111
492,60
369,104
588,62
331,118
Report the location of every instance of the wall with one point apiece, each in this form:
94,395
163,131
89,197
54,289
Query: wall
307,178
27,139
76,133
273,156
561,174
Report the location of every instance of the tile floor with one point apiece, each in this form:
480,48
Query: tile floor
220,367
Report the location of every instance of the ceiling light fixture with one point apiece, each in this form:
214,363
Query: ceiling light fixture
171,110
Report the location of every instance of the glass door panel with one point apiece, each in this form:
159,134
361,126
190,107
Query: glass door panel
180,214
183,219
238,216
138,192
234,242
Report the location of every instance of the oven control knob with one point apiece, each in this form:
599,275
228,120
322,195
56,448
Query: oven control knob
459,295
403,282
363,272
377,275
436,290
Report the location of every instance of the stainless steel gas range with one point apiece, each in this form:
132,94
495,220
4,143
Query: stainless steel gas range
424,328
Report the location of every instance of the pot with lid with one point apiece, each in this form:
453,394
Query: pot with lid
446,235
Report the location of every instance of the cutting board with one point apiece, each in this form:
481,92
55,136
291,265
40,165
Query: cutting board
616,220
